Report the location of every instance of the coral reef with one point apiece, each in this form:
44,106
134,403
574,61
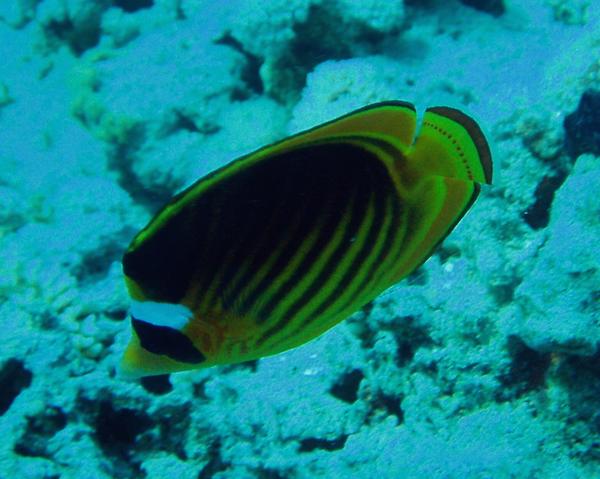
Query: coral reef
483,363
582,127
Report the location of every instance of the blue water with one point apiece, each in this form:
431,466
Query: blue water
482,364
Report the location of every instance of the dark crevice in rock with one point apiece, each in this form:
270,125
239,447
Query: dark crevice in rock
324,35
409,338
312,443
251,366
579,377
367,308
215,463
390,405
527,370
157,385
272,474
447,251
121,158
126,434
199,389
96,264
423,4
152,199
186,123
582,127
537,215
417,278
591,304
78,41
346,388
117,314
117,432
173,424
583,370
14,377
47,321
493,7
118,429
34,442
131,6
250,72
503,293
316,40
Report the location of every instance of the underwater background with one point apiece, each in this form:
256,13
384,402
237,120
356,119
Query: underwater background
485,363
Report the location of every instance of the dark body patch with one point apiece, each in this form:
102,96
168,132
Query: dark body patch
241,220
167,341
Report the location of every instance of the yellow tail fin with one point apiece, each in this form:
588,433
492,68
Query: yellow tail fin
450,144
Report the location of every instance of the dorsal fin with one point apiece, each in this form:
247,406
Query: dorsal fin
391,119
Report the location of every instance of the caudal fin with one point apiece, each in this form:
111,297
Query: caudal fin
451,144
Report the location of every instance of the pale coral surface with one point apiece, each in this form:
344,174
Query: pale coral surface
483,363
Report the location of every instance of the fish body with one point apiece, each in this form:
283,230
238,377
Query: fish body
277,247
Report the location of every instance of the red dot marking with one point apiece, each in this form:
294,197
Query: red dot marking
457,147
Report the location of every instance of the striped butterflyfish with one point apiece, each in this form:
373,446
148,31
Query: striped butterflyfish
276,247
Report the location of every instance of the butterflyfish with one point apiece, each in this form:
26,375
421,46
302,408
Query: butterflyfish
278,246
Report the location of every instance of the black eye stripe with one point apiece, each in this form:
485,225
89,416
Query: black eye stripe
167,341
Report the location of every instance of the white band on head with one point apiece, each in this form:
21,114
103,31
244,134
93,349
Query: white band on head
174,316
